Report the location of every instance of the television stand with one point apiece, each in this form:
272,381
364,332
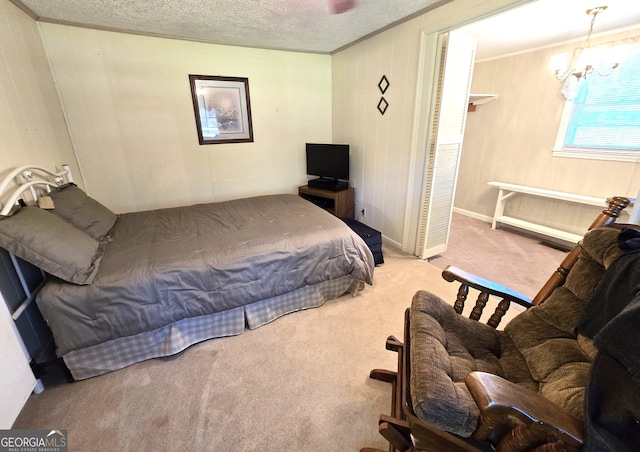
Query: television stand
329,184
340,203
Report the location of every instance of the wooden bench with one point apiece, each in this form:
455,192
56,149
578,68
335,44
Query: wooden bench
507,191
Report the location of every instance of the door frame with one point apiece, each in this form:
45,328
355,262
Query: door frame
428,67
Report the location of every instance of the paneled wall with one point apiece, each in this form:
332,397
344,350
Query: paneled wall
382,145
510,140
128,107
32,128
32,131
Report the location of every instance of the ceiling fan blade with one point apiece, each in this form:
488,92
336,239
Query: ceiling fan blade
341,6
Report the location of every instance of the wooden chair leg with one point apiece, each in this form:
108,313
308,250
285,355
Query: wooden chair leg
393,344
395,437
394,430
388,376
400,425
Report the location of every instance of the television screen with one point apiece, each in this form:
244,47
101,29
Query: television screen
330,161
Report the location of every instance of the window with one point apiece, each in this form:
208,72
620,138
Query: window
603,119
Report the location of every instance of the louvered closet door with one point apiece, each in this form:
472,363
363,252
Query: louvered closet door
448,117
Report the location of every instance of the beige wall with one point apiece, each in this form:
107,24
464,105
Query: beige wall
382,145
510,140
128,106
32,128
32,131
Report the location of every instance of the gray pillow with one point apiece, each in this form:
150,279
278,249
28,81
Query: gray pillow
49,242
82,211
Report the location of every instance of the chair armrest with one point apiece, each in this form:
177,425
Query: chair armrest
516,418
451,274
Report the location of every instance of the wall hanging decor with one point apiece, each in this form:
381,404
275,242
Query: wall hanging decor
222,109
382,105
383,84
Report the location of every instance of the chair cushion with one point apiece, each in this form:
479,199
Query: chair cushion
565,386
445,347
513,364
546,335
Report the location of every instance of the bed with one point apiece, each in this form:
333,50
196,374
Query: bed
130,287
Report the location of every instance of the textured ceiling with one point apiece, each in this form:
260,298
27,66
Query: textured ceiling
301,25
312,25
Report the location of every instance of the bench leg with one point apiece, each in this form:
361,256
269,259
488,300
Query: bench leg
500,203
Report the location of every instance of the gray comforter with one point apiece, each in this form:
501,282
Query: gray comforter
165,265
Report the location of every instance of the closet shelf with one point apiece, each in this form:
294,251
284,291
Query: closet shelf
479,99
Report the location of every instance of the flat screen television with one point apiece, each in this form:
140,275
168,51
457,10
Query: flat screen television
328,161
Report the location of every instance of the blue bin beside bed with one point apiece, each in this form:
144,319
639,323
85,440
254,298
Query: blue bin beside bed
372,238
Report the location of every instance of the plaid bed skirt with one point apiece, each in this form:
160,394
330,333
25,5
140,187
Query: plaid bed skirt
171,339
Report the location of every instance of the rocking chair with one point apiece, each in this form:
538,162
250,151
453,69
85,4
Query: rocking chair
464,385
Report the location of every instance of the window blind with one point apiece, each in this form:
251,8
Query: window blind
605,113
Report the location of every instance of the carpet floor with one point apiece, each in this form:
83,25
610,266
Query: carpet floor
507,256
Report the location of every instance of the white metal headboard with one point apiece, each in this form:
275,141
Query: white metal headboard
33,178
35,181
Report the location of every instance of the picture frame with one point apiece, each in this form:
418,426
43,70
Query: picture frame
222,109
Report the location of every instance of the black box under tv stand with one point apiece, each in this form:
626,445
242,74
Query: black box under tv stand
329,184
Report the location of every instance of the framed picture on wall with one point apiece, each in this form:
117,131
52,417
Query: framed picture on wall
222,109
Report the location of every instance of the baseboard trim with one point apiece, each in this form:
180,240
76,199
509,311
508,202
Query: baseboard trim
387,241
475,215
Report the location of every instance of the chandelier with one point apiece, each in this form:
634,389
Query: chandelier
586,61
